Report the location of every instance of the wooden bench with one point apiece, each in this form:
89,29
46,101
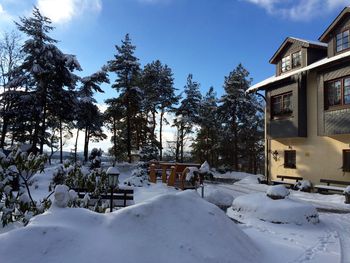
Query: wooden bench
126,195
290,183
330,188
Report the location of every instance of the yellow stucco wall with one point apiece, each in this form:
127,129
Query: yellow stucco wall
317,157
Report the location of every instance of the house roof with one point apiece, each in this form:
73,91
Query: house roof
304,43
325,36
274,79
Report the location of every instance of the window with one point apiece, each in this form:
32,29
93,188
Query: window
337,92
292,61
286,64
296,59
290,159
346,160
342,41
282,105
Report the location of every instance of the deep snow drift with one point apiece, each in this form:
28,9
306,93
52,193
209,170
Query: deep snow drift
170,228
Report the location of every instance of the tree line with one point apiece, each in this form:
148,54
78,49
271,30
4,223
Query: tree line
43,100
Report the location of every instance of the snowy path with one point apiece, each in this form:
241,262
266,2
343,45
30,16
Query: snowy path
340,224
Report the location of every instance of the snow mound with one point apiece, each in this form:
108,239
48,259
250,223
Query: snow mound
169,228
282,211
220,198
232,175
277,191
250,179
205,168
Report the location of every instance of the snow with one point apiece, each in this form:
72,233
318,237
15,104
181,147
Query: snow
113,170
317,43
170,228
205,168
61,195
231,175
191,173
277,191
165,229
319,63
283,211
219,198
347,190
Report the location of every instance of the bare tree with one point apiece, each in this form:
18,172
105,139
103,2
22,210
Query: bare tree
10,57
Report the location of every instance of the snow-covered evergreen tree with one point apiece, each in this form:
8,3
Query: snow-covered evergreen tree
240,118
187,115
45,70
127,68
206,144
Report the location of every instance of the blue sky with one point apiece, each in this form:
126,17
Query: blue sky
207,38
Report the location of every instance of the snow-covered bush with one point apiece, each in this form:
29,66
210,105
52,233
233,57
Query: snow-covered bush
347,190
282,211
304,185
18,204
220,198
149,151
95,158
276,192
61,195
139,176
205,172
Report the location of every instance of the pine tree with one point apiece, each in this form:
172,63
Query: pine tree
158,83
114,120
206,144
45,69
239,115
127,68
187,115
88,116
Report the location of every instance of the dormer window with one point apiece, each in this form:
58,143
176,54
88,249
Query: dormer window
342,41
286,64
291,61
296,59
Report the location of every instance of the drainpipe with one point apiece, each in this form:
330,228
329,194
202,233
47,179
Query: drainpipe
267,150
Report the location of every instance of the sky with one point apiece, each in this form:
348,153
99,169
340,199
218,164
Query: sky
207,38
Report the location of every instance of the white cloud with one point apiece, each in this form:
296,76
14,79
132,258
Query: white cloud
63,11
299,9
5,17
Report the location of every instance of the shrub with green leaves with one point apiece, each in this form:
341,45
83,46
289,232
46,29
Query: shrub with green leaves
16,172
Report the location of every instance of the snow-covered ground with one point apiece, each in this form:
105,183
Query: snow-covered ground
167,225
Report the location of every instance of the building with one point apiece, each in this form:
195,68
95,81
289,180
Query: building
308,106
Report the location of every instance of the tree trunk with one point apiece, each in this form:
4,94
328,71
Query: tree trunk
128,127
43,128
3,132
76,147
160,135
61,142
86,145
115,138
182,144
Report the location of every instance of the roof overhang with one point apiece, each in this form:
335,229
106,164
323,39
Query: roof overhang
325,36
272,80
290,40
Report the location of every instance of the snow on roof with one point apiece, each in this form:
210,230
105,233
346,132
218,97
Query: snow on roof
316,43
317,64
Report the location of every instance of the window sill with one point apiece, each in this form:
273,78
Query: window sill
282,117
339,107
287,167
